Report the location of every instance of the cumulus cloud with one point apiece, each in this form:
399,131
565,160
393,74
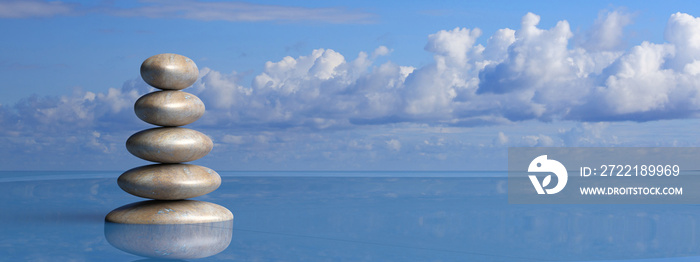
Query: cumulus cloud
637,81
682,32
536,59
607,33
454,46
528,73
521,74
381,51
524,74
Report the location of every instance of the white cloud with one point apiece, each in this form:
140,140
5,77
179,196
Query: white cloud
588,134
233,139
683,32
240,11
394,144
537,59
498,44
290,75
455,46
189,9
639,82
96,144
540,140
528,73
220,90
357,144
501,139
607,31
524,74
34,8
381,51
117,100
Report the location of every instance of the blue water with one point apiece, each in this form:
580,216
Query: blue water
350,216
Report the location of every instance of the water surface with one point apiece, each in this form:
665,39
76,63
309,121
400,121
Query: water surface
351,216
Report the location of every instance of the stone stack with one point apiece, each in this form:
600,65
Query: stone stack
171,180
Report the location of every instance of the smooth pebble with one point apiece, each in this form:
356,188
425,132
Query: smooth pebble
169,144
169,108
169,71
169,212
169,181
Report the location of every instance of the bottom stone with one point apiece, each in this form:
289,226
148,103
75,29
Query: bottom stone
183,241
169,212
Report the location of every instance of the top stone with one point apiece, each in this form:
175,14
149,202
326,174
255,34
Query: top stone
169,71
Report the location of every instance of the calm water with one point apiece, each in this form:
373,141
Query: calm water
342,216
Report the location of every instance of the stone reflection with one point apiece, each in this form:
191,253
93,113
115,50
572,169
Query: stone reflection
170,241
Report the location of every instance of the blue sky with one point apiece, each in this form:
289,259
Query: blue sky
362,85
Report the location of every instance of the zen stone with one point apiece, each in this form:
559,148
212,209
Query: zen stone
169,181
169,212
169,144
169,71
169,108
178,241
